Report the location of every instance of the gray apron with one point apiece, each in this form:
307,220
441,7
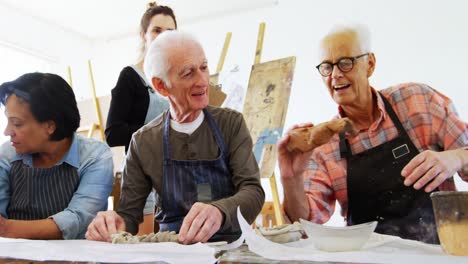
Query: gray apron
38,193
157,104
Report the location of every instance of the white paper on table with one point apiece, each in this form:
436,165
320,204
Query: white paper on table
232,245
379,249
93,251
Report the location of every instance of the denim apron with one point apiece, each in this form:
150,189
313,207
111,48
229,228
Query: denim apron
188,181
38,193
157,104
376,191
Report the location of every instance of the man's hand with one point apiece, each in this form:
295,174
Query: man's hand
431,166
104,225
201,223
292,164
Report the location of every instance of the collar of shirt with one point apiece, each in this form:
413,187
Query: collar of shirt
188,128
380,106
72,157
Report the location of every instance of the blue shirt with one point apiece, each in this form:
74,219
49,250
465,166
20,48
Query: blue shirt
93,161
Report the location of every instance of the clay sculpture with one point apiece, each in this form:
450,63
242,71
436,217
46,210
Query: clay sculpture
127,238
282,233
305,139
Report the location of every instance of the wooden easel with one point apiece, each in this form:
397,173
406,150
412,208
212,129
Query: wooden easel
69,77
265,110
262,163
90,128
217,96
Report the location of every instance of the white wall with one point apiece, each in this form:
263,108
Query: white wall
49,42
45,47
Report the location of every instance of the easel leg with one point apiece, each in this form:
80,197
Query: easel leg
276,201
91,130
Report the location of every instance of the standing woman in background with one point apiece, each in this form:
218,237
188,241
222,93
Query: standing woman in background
134,102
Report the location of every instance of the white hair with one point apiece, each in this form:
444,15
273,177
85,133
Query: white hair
361,31
156,58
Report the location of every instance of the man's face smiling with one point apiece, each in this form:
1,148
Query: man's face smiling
346,88
189,78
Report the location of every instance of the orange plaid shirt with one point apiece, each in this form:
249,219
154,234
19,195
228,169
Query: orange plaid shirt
430,120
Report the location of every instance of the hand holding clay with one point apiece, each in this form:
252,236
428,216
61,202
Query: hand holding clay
305,139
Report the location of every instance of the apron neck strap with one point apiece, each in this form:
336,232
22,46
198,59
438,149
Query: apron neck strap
345,149
214,128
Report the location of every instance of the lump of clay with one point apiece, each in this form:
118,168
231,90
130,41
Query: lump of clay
305,139
127,238
123,237
160,237
282,233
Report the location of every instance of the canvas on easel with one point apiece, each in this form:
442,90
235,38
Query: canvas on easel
265,108
265,111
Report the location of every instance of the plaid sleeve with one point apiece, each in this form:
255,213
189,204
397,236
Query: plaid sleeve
319,191
451,131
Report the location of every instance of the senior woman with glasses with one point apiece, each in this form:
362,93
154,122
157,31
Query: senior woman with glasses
52,181
410,143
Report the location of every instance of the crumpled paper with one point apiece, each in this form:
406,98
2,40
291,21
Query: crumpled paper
379,249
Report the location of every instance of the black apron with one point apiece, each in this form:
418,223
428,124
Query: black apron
188,181
376,191
38,193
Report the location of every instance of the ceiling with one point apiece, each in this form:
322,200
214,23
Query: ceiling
111,19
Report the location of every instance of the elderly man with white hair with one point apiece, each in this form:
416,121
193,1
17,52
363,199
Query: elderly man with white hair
410,143
197,157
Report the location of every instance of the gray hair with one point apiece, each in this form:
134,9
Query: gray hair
361,31
156,59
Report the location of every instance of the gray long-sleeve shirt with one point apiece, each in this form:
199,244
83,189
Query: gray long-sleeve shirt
144,166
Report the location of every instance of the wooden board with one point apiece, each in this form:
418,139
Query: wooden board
88,117
216,96
265,108
88,112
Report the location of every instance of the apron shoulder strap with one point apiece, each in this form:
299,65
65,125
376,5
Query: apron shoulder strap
393,116
216,132
345,149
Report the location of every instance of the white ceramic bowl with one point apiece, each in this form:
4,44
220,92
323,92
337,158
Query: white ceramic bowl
332,238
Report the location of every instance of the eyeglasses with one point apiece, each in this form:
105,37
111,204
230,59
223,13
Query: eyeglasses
345,64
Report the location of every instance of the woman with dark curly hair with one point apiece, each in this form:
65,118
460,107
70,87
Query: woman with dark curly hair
52,181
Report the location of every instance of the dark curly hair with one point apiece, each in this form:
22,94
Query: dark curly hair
50,99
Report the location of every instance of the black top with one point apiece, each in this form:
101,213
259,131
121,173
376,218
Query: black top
128,108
